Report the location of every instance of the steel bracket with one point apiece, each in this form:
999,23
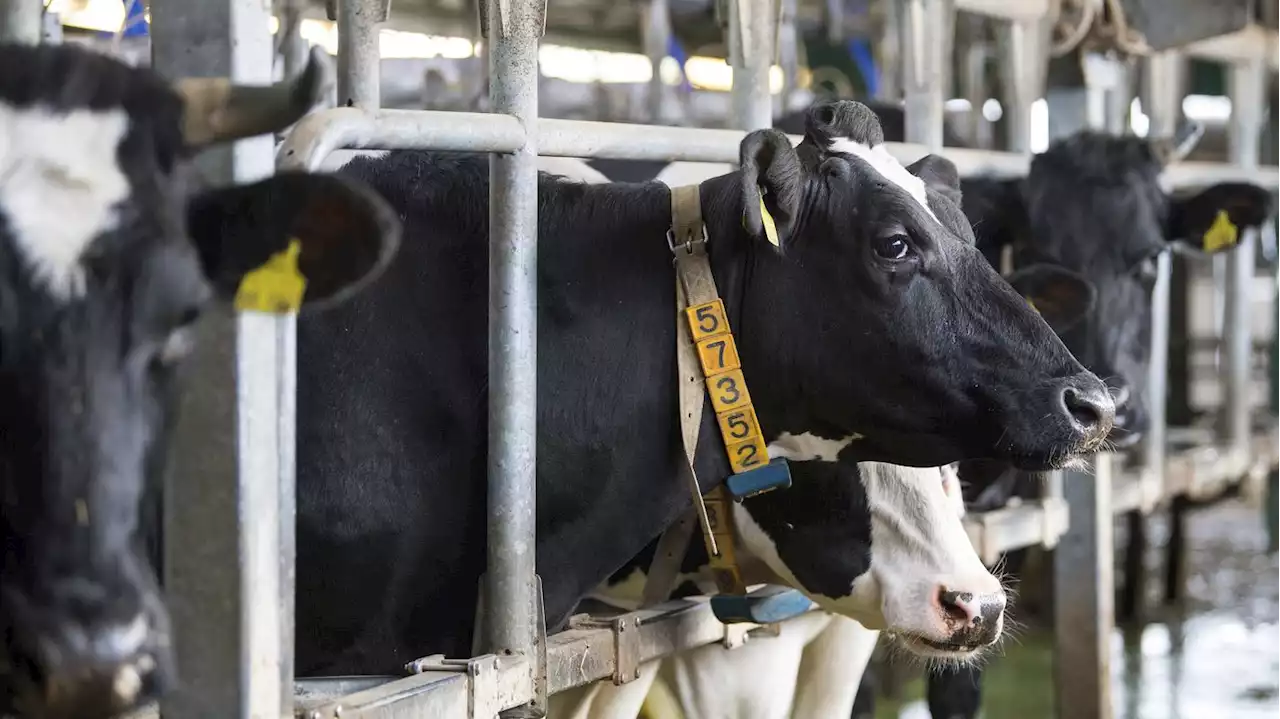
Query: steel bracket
482,690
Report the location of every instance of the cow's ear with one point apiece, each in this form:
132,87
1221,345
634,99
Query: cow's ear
1061,296
1211,220
292,239
939,174
771,180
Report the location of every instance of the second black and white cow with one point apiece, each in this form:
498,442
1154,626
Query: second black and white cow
874,331
109,253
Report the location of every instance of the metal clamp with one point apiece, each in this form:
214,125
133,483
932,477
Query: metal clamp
688,245
626,642
483,698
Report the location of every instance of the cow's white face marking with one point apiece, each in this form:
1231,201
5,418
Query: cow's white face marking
917,544
60,185
887,165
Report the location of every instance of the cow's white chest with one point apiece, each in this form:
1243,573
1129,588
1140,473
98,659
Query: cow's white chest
60,187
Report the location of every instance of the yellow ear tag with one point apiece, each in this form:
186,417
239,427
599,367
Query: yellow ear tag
770,229
1032,305
1221,234
276,286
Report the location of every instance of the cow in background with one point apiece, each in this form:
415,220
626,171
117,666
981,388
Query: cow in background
110,252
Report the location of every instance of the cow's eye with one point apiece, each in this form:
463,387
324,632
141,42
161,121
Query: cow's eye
893,247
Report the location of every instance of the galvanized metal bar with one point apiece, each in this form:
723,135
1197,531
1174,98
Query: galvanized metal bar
293,48
228,530
321,133
889,52
927,32
513,30
751,52
1247,82
1024,64
1084,579
359,53
657,38
20,21
1164,86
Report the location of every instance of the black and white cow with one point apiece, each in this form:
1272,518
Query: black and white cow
875,332
1093,203
109,252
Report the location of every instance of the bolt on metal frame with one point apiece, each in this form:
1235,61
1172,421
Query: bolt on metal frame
230,564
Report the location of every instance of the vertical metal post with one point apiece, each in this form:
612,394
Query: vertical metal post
20,21
1084,579
927,31
1024,64
890,52
751,50
657,36
513,28
229,500
1247,101
359,53
1164,78
293,48
789,42
973,87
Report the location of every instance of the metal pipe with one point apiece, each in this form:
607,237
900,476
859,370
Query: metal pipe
751,43
789,42
1024,65
1084,578
318,134
1247,101
513,30
928,27
889,53
20,21
1164,77
657,37
359,54
293,48
229,499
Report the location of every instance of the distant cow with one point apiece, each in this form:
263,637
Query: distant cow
1093,203
874,332
109,253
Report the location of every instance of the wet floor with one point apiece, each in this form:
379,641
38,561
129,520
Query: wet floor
1217,657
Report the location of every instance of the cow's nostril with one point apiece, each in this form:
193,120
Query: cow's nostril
1092,410
956,606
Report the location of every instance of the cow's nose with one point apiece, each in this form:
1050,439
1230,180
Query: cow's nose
84,669
1087,401
973,619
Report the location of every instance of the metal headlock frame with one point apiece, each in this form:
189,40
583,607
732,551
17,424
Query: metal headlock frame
248,674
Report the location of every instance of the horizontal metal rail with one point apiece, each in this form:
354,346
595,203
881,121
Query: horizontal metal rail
322,133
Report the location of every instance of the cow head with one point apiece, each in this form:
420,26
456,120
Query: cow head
882,544
108,255
874,329
1092,203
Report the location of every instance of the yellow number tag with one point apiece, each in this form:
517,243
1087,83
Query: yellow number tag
728,391
739,424
707,320
275,287
1221,234
770,228
748,454
718,354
